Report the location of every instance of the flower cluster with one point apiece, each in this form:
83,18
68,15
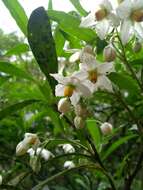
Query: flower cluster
82,83
128,16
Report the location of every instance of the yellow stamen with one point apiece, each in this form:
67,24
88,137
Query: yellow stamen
137,15
93,76
100,14
68,90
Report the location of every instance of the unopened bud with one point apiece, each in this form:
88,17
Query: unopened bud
137,47
109,53
106,128
64,105
21,149
79,122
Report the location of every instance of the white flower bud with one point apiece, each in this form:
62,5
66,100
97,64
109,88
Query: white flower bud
106,128
69,164
137,47
0,179
21,148
68,148
79,122
64,105
35,163
109,53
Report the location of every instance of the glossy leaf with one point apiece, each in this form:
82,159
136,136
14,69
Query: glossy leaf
79,8
17,50
42,43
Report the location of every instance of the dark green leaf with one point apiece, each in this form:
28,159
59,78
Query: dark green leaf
42,43
18,14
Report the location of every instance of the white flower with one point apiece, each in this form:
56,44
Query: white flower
109,53
94,75
106,128
30,140
131,14
44,153
0,179
69,164
68,148
101,19
71,86
79,122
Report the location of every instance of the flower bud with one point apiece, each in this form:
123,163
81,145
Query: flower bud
0,179
69,164
64,105
21,149
109,53
106,128
137,47
79,122
68,148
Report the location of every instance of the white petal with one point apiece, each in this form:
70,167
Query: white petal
93,87
84,90
75,57
107,5
126,31
104,83
88,21
102,28
105,68
75,98
139,31
124,9
113,19
59,90
61,79
81,75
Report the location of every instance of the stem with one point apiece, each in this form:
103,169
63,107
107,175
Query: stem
123,58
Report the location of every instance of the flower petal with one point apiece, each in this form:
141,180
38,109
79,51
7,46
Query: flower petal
75,57
124,9
84,90
104,83
139,31
102,28
107,5
61,79
81,75
75,98
113,19
88,21
59,90
105,68
126,31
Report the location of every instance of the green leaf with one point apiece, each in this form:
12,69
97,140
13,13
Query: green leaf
125,82
3,79
17,50
42,43
17,13
59,41
94,132
116,145
79,8
13,70
70,24
15,107
50,5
